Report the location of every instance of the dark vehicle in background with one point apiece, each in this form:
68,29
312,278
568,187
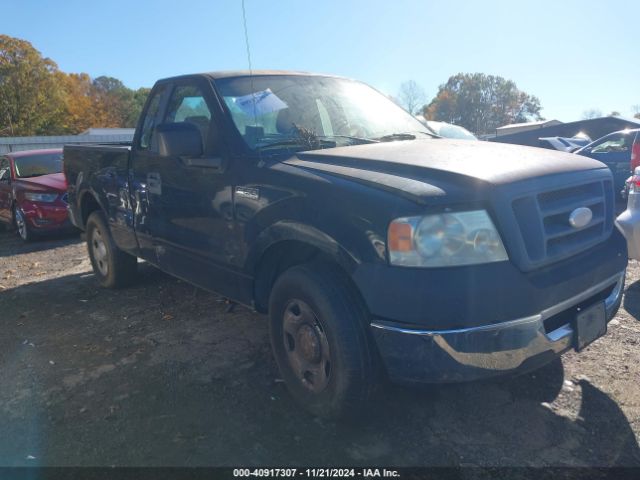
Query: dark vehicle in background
564,144
620,151
375,247
33,192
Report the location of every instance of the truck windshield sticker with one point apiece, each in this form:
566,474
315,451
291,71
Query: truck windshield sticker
265,102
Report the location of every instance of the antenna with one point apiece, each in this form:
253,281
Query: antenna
246,40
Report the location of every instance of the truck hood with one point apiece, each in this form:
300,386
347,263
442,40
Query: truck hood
54,181
431,167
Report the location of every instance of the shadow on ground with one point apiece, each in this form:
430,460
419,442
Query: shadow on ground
631,302
12,244
160,374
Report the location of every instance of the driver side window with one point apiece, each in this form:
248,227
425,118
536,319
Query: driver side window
187,104
150,119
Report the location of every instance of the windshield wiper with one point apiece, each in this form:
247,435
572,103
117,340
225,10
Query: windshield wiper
356,140
396,136
297,143
404,136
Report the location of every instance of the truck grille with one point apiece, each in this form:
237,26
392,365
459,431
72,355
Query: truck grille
543,219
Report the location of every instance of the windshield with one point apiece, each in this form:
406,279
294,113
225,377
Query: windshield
36,165
308,112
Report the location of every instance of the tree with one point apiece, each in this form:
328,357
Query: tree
136,106
38,99
591,113
120,105
80,112
614,113
481,103
31,101
636,111
411,97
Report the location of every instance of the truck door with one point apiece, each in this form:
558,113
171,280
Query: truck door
144,161
191,199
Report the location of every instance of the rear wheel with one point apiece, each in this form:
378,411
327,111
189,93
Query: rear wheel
113,267
320,342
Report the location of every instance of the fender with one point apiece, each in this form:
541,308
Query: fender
289,230
82,199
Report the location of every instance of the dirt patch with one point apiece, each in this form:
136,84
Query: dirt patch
160,374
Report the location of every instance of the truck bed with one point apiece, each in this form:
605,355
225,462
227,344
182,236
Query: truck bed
99,169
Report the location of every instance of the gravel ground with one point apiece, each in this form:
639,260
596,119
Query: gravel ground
161,374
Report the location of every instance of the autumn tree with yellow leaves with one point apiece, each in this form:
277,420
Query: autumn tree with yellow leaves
36,98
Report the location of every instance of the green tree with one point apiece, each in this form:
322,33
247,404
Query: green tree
113,99
120,105
481,103
135,106
31,101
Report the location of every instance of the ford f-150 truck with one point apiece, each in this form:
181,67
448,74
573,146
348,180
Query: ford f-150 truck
375,247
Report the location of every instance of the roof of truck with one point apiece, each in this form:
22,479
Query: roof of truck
246,73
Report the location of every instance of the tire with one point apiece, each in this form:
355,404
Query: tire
112,267
318,329
22,227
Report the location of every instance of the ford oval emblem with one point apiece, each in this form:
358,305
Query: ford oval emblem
580,217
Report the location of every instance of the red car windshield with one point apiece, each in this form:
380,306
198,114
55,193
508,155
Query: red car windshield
37,165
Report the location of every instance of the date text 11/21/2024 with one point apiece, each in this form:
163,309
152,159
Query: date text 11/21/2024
316,472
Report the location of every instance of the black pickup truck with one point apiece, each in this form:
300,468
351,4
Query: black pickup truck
375,247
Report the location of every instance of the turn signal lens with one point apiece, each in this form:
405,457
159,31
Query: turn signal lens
400,237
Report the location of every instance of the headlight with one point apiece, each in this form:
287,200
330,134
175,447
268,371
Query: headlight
446,239
41,197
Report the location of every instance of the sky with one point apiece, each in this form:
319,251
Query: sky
573,55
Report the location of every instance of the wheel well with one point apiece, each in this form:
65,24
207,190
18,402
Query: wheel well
88,205
277,259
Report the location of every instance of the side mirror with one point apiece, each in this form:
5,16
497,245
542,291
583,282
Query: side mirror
178,140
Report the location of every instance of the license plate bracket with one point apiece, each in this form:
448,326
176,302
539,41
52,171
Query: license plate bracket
591,324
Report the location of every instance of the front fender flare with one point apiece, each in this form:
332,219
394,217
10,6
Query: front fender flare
300,232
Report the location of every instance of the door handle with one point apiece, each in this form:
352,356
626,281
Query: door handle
211,162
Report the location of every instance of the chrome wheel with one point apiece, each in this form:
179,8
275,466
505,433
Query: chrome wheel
99,252
306,345
21,225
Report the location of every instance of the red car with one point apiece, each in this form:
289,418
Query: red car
33,192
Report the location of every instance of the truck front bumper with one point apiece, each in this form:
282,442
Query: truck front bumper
436,356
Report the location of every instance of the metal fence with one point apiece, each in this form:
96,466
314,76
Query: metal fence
15,144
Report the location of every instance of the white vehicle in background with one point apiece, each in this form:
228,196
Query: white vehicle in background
447,130
629,221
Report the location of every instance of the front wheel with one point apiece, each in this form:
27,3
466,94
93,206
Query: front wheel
22,227
318,329
112,267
